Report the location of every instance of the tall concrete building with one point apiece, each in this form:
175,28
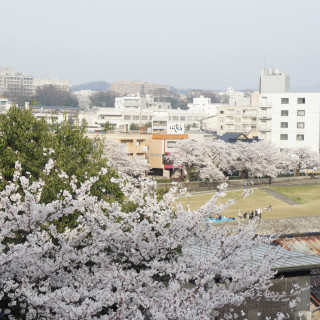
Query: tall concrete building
133,87
273,81
288,119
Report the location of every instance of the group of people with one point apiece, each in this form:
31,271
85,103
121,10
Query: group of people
257,213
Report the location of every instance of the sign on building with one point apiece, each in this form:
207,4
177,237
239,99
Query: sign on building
175,128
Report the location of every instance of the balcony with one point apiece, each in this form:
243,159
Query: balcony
265,117
265,129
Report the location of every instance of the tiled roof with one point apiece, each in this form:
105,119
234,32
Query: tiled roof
285,260
309,244
230,135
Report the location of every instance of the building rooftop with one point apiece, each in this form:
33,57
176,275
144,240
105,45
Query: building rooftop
286,261
306,244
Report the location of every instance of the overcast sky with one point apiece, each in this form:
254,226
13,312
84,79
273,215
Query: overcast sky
205,44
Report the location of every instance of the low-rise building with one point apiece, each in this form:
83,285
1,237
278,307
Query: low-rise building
153,147
232,119
4,105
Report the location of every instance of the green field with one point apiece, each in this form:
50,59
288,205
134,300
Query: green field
307,196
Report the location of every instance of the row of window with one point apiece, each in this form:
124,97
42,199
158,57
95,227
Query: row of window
174,118
299,100
299,137
300,125
244,128
248,112
285,113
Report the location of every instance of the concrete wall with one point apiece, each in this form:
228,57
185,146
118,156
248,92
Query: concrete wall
240,183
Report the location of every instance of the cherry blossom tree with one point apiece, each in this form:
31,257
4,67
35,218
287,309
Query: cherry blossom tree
119,159
208,159
211,159
300,158
117,265
257,159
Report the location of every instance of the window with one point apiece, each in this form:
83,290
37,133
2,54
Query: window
126,117
221,119
300,125
300,137
182,118
221,112
301,100
284,100
283,137
135,117
300,113
221,127
159,123
144,117
284,113
175,118
283,124
171,144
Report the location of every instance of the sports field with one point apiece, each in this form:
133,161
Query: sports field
308,198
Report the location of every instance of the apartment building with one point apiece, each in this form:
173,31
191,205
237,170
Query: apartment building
57,113
121,119
153,147
60,85
242,119
133,87
15,84
203,106
287,119
290,119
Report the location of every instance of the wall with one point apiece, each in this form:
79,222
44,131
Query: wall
273,119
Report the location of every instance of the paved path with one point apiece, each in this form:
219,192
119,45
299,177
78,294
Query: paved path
279,196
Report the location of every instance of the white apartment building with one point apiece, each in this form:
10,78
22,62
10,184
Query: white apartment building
203,106
140,102
290,119
14,84
141,110
231,93
122,119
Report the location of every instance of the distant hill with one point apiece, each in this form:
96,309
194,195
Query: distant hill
180,91
93,85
